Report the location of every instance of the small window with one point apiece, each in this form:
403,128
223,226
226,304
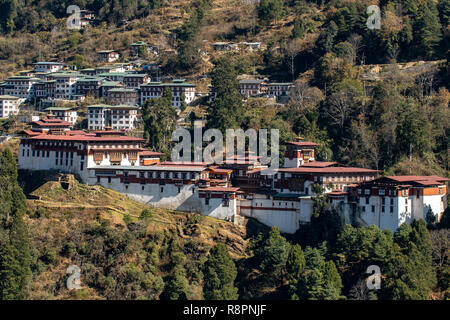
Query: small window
373,208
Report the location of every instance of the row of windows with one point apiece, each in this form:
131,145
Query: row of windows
383,209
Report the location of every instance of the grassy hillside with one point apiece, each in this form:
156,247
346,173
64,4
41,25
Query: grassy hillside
100,230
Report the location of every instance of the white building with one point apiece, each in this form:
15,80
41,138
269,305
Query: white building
64,113
19,86
65,85
120,117
154,90
74,151
388,202
9,105
47,67
108,55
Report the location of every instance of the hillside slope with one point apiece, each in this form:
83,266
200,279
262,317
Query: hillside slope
120,255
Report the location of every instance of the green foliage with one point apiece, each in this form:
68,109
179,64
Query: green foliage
159,121
320,279
15,258
176,285
226,112
295,264
272,254
219,275
269,10
145,214
127,218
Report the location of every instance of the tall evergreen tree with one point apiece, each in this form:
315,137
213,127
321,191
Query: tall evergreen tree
159,118
15,257
219,275
226,112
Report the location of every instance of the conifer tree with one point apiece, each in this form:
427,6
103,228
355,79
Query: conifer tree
15,257
226,112
219,275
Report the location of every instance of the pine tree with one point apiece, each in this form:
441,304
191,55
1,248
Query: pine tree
15,257
273,254
296,262
226,112
428,30
332,282
219,275
159,118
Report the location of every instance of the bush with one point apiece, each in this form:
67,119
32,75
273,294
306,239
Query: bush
49,255
127,218
69,249
146,213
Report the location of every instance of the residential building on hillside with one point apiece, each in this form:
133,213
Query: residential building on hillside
68,114
47,67
123,96
108,56
9,105
119,117
178,87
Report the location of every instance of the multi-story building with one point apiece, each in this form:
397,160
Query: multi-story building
123,96
9,105
238,187
65,85
388,202
87,17
67,114
89,86
120,117
76,152
134,80
107,85
251,87
19,86
46,67
97,117
179,88
138,46
276,89
108,56
113,76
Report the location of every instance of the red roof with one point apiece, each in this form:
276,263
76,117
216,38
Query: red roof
185,163
303,143
84,137
220,189
32,133
319,164
327,170
148,153
417,178
336,193
424,180
220,170
51,123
